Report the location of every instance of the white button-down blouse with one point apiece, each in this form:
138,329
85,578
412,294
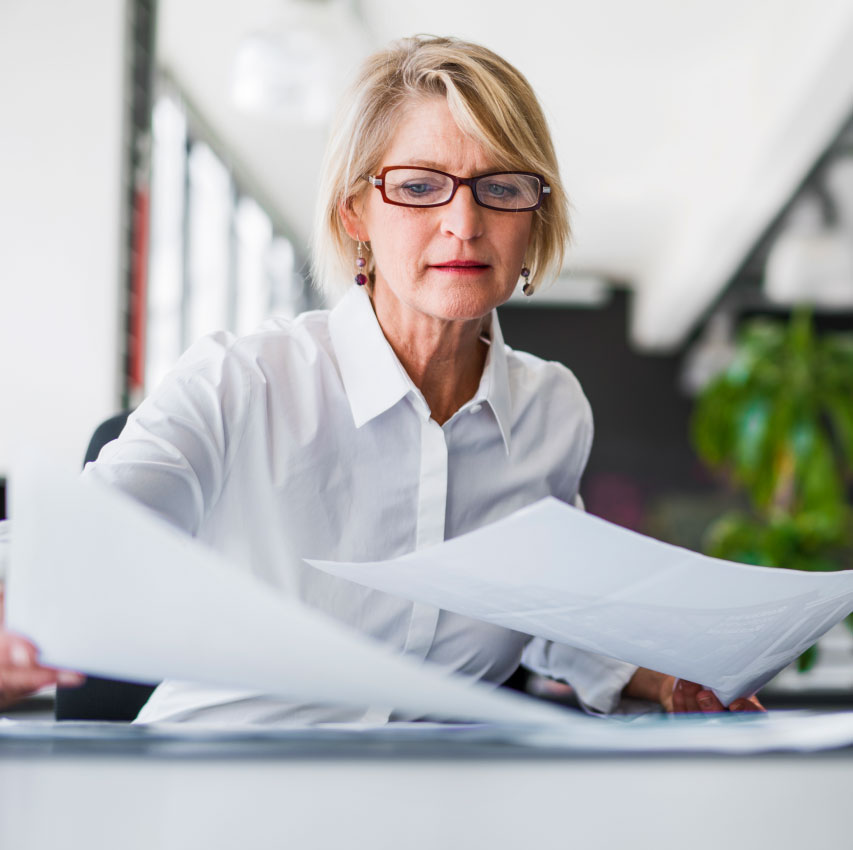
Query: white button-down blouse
308,439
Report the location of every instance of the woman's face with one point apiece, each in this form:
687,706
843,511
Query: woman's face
423,257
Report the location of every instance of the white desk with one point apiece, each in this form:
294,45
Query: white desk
370,795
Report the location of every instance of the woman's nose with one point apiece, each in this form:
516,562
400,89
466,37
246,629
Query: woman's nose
463,216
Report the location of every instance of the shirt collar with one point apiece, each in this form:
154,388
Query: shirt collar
373,377
375,380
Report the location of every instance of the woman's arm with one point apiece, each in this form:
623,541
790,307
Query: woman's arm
173,454
678,696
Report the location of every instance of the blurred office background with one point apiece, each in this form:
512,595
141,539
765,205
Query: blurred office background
160,161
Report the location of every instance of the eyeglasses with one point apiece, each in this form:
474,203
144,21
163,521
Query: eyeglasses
507,191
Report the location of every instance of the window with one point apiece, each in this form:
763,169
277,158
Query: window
216,260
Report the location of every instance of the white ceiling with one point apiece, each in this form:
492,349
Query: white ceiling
681,125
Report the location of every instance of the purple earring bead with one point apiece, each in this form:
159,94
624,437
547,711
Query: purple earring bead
361,279
361,262
525,272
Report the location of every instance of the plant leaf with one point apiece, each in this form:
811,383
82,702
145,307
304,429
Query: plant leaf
807,660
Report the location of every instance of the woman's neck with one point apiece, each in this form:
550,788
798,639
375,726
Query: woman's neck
444,358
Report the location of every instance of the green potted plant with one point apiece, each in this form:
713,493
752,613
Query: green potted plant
778,424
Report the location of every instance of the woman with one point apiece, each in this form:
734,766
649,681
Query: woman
398,419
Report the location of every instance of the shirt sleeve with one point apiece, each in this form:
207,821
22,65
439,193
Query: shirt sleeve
174,452
597,680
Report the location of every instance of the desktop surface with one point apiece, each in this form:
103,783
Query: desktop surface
120,788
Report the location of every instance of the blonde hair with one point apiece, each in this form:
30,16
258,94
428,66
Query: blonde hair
489,100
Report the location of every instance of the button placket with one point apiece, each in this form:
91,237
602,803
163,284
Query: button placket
432,505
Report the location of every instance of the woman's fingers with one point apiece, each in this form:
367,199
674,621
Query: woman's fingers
21,674
692,697
708,702
21,682
747,704
16,652
685,696
14,681
677,699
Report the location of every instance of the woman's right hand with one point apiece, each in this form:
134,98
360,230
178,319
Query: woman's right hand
20,672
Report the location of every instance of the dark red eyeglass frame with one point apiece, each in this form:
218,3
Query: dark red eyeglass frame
378,182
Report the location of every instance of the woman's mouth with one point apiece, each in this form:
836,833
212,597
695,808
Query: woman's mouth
461,266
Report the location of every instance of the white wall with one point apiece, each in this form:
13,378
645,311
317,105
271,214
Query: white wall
61,90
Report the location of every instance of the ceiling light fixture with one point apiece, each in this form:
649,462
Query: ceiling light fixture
294,68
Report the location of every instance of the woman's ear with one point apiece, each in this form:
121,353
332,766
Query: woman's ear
352,220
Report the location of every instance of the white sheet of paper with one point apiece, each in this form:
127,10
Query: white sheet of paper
553,571
103,586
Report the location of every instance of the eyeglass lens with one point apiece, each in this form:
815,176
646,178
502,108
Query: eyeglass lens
414,187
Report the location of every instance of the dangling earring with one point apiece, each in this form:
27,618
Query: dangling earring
360,263
527,289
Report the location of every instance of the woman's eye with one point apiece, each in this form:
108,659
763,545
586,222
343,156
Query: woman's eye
418,189
501,190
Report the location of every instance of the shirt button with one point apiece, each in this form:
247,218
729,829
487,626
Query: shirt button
476,408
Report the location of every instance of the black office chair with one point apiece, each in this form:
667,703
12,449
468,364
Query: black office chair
96,698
